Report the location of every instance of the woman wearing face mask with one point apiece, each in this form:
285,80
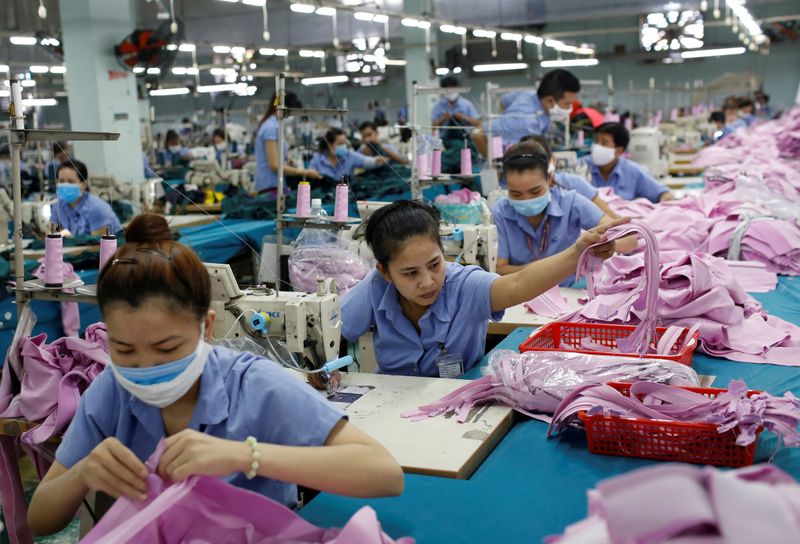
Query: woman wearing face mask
78,212
223,413
539,218
266,149
220,149
530,112
430,316
175,154
610,169
334,159
453,110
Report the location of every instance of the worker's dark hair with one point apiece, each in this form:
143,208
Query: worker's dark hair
525,156
368,124
326,142
618,133
449,81
539,139
151,265
218,132
746,101
77,166
716,117
557,82
59,147
291,101
730,103
389,227
171,136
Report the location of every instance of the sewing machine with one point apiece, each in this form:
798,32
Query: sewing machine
207,173
309,323
646,148
140,194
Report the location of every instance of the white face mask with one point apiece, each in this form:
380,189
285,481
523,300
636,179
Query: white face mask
163,394
452,97
557,113
602,155
220,146
174,148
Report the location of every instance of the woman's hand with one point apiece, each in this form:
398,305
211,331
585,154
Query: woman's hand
595,235
312,174
115,470
189,453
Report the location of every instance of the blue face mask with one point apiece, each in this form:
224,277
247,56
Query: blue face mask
532,206
68,192
162,373
341,151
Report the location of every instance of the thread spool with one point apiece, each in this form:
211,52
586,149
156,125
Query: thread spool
341,204
304,199
108,246
580,138
423,165
466,162
436,163
497,147
54,260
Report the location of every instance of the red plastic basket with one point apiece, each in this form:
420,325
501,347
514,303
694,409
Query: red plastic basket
666,440
552,336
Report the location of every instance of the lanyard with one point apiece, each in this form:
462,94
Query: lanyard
542,243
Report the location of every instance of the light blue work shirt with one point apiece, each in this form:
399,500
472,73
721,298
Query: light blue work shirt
568,214
91,214
461,105
266,178
343,167
241,395
458,320
629,180
386,147
576,183
168,158
733,127
148,171
218,154
523,116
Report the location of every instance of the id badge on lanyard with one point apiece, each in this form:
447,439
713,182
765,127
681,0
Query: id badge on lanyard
451,365
542,243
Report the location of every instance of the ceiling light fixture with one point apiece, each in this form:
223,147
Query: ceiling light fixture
175,91
712,52
569,63
23,40
324,80
500,67
298,7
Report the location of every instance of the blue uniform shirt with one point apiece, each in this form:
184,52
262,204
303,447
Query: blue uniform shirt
458,320
523,116
266,178
576,183
240,395
173,159
91,214
629,180
461,105
344,167
568,213
733,127
386,147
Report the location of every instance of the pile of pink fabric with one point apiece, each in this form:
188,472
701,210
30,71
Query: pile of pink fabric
307,263
461,196
687,504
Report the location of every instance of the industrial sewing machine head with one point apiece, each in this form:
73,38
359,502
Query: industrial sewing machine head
309,323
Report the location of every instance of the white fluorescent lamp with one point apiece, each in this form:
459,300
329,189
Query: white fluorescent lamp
22,40
323,80
500,67
222,88
391,62
175,91
364,15
257,3
318,54
154,71
712,52
306,53
28,83
480,33
442,71
281,52
178,71
172,47
222,49
217,71
330,12
37,102
38,69
187,47
424,24
266,51
4,68
238,51
409,22
380,18
50,41
530,38
569,63
298,7
452,29
192,71
138,70
585,51
5,94
229,1
511,36
457,70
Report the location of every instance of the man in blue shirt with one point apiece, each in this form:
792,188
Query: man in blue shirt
530,112
610,169
373,147
452,108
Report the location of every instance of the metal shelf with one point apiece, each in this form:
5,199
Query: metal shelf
312,111
319,223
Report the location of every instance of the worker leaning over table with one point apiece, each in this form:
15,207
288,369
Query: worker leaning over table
424,311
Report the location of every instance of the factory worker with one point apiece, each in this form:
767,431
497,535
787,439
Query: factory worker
220,149
530,112
574,182
174,153
373,147
266,149
747,110
225,414
610,169
733,121
539,218
334,159
426,313
78,212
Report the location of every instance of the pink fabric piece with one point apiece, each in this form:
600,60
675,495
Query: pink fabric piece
70,316
206,509
551,304
461,196
306,264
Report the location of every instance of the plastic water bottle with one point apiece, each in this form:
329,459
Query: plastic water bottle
317,211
